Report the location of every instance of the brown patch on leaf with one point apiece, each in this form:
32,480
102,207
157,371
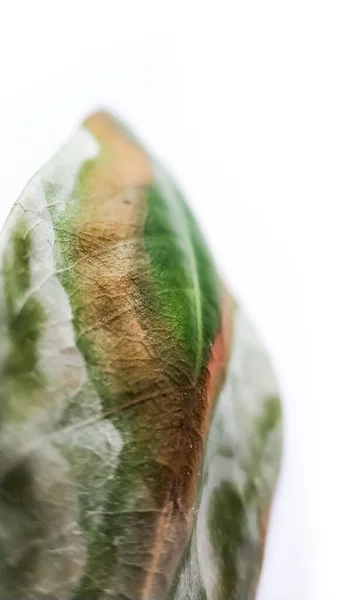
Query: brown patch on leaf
145,374
124,162
110,254
220,351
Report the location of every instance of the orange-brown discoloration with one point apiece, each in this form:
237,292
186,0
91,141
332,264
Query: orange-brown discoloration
221,349
264,527
110,252
164,525
144,371
124,162
187,451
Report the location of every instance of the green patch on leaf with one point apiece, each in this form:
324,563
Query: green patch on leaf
186,285
269,419
227,529
23,320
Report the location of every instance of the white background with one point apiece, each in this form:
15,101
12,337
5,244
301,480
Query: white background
239,99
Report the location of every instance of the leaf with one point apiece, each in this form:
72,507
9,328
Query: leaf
115,339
